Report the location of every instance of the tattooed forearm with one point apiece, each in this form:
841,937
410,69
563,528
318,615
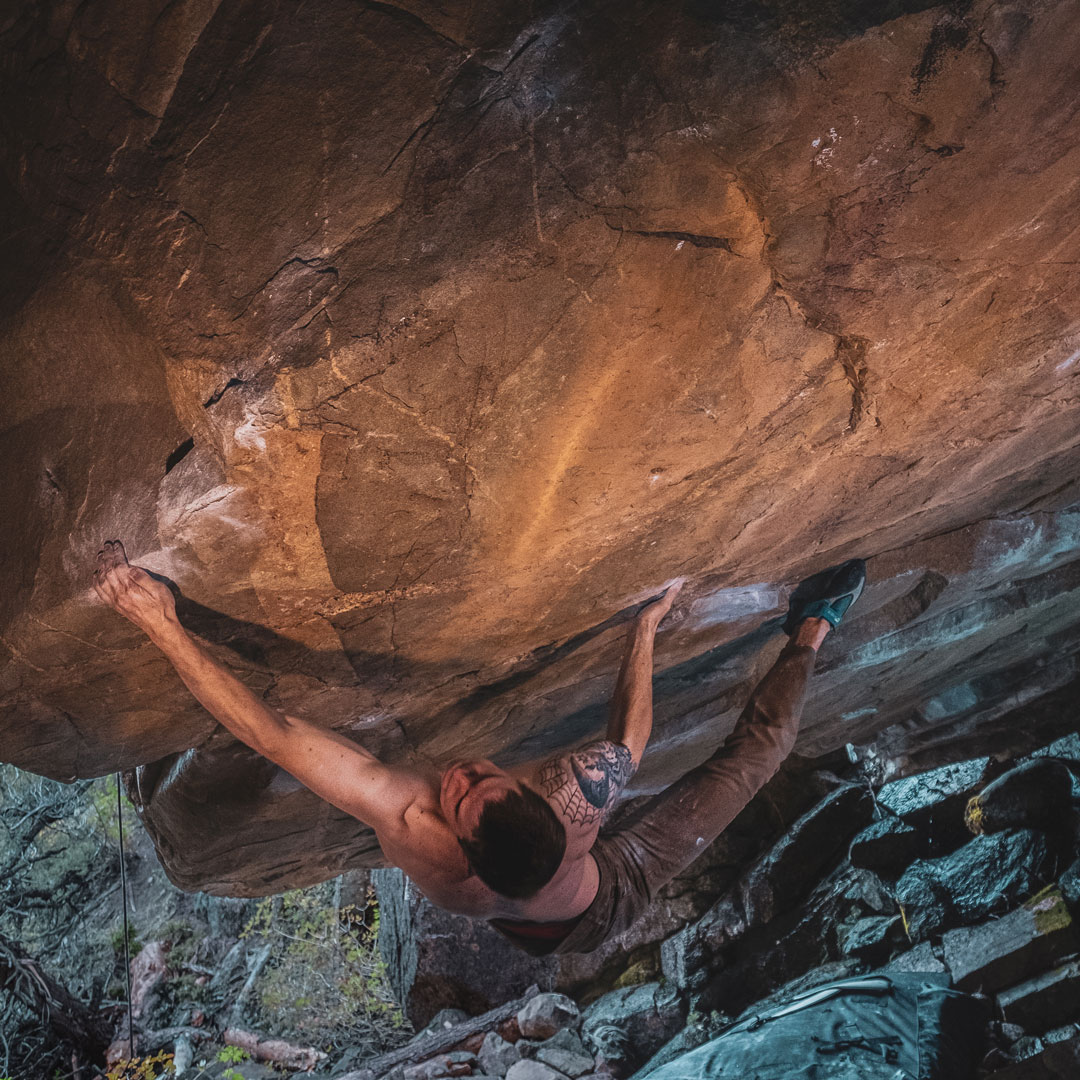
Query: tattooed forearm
586,784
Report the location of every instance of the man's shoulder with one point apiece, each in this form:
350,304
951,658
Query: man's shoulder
583,785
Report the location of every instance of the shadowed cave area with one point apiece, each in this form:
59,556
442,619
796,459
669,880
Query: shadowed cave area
419,345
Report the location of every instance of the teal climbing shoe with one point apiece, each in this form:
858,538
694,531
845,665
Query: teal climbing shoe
827,594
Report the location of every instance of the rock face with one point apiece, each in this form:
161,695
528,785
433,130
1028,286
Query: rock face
419,343
436,960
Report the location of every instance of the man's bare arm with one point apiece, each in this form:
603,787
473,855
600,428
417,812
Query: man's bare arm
631,716
584,785
334,767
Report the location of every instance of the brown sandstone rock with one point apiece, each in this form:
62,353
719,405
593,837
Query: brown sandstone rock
415,344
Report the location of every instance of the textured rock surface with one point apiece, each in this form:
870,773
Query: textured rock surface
772,885
628,1026
436,960
416,342
935,894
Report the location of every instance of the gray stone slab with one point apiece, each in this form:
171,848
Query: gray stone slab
920,792
919,959
1013,948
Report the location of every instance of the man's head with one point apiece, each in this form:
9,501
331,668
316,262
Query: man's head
512,838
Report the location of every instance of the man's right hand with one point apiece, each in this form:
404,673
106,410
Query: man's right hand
653,614
142,599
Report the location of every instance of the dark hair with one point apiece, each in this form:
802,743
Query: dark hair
518,845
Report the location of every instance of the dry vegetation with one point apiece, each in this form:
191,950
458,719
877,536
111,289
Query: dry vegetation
301,967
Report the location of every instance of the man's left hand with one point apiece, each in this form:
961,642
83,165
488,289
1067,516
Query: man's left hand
131,591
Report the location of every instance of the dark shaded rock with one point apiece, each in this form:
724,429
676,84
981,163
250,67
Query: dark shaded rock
1016,947
1048,1000
830,971
438,961
547,1014
785,950
866,892
1067,748
924,901
870,939
1069,883
802,944
933,803
698,1031
441,1021
566,1039
1060,1061
628,1026
1037,794
772,885
886,847
985,877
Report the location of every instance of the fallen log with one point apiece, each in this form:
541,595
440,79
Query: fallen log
438,1042
69,1018
275,1051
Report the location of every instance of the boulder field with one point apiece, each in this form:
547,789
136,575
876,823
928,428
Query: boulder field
419,344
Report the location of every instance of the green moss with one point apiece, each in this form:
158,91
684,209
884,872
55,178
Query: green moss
1049,911
973,816
636,974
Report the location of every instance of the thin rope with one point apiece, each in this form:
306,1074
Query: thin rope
123,893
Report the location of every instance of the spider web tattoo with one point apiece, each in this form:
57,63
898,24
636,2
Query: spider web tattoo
584,785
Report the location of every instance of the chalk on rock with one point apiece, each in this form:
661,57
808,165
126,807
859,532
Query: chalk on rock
1015,947
546,1014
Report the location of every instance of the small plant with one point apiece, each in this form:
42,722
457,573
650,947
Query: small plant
133,942
103,804
324,980
146,1068
232,1055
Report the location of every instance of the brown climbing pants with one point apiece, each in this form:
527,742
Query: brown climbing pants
663,837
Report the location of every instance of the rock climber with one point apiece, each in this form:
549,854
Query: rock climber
522,847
